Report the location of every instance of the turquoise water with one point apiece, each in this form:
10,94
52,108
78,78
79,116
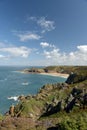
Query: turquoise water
13,84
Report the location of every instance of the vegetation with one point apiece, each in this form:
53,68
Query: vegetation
68,69
60,106
1,117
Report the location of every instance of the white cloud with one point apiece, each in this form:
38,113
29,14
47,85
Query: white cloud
44,44
82,48
52,54
46,25
16,51
49,55
56,57
28,36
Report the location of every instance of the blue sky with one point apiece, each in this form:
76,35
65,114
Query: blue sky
43,32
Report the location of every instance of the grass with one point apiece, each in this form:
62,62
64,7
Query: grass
1,117
75,120
29,106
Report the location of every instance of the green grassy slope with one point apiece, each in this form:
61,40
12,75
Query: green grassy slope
59,106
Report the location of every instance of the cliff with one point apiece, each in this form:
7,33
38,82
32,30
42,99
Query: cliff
58,69
61,106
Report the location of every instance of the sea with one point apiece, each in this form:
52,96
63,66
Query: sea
14,83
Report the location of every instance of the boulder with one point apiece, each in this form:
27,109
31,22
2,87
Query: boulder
22,97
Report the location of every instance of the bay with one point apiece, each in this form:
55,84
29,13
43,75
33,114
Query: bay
14,84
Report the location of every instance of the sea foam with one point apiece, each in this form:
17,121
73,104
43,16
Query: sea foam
15,98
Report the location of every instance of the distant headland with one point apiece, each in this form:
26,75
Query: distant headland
50,70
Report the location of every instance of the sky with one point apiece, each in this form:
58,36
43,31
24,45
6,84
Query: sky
43,32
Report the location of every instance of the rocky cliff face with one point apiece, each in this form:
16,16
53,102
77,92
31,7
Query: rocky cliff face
76,78
51,99
56,106
50,108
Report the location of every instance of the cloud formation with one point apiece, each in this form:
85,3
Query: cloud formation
82,48
46,44
55,54
42,24
15,51
28,36
46,25
56,57
49,54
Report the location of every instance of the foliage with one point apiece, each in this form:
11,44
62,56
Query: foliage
79,122
50,95
1,117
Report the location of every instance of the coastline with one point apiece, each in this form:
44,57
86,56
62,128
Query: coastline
56,74
46,73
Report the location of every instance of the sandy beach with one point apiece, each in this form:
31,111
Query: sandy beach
56,74
44,73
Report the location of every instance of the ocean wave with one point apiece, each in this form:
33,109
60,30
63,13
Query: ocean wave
25,83
15,98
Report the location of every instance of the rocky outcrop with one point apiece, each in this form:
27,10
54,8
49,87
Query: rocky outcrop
12,110
77,97
51,98
75,78
51,102
33,70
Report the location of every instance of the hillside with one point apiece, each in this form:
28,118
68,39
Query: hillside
60,106
58,69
